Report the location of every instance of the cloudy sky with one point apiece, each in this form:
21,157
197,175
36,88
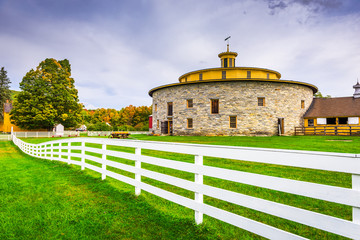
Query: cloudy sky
120,49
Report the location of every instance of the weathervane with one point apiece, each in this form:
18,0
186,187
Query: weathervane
227,39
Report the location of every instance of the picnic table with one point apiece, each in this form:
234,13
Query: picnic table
119,135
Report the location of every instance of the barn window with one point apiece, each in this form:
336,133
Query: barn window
248,74
223,74
302,103
155,107
200,76
170,108
189,123
267,76
157,124
261,101
321,121
189,103
214,106
353,120
225,62
331,121
232,120
230,62
343,120
310,122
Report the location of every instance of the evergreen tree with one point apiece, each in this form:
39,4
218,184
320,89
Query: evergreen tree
48,97
5,92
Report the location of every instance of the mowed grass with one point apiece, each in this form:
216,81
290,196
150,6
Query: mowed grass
226,231
342,144
43,199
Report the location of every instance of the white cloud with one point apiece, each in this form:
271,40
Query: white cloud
117,57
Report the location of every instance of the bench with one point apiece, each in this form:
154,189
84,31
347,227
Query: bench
119,135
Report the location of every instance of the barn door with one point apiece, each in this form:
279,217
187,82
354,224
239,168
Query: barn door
281,126
164,127
170,128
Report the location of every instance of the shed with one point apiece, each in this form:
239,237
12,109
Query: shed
59,130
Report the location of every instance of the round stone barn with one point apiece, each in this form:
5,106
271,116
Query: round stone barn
230,100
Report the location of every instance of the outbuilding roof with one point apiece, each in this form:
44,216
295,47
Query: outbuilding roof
334,107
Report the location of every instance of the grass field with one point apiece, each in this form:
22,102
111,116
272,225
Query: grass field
41,199
213,228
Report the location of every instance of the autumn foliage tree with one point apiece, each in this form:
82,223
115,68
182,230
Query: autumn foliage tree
128,118
48,97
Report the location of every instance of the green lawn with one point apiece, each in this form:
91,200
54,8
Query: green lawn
343,144
42,199
213,228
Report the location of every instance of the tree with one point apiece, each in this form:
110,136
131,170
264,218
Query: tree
319,95
5,92
48,97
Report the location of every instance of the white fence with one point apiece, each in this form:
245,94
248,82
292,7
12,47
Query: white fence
67,150
5,137
107,133
46,134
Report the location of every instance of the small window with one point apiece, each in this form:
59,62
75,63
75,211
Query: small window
261,101
223,74
230,62
185,79
189,123
157,124
321,121
310,122
248,74
343,120
331,121
200,76
189,103
225,62
155,107
170,108
267,75
302,103
214,106
233,121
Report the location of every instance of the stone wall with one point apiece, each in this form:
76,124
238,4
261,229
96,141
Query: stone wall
237,98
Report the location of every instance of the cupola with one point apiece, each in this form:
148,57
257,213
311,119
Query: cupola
357,90
227,58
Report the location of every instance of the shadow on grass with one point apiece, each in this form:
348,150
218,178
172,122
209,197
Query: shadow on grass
44,199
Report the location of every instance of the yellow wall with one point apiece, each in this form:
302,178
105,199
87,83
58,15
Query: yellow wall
216,73
306,124
6,125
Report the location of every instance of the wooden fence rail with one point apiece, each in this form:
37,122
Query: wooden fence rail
329,130
67,150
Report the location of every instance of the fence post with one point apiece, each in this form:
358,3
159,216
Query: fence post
69,153
83,155
356,186
199,197
60,152
103,175
138,165
51,151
